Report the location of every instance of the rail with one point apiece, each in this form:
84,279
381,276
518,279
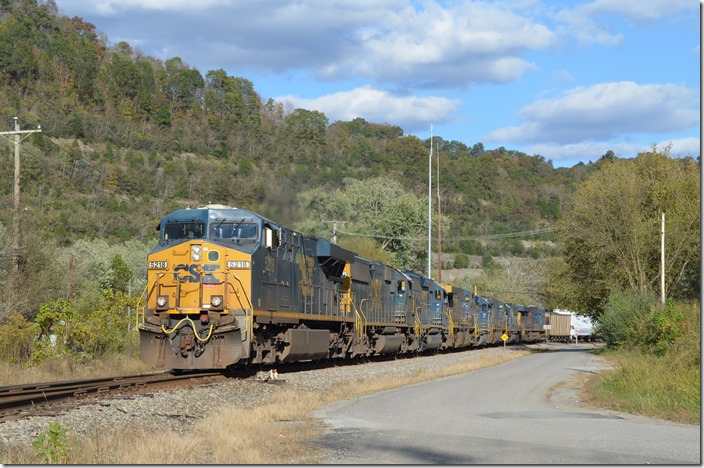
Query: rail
16,400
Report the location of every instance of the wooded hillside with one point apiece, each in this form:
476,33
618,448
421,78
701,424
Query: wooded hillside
127,138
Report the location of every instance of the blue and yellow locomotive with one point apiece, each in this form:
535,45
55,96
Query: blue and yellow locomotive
226,286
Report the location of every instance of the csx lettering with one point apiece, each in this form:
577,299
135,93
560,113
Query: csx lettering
192,275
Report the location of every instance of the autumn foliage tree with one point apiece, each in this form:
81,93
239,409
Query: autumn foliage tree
611,233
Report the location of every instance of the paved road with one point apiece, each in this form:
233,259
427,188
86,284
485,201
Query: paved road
501,415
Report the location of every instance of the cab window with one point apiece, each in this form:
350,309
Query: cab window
188,230
234,231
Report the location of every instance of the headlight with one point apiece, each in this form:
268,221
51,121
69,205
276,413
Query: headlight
196,253
216,301
162,301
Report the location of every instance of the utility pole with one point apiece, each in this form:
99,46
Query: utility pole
662,261
430,198
333,239
437,160
16,221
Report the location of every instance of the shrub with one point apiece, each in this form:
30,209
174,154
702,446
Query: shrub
51,445
17,337
637,321
488,261
461,261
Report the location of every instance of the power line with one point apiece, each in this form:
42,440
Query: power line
458,238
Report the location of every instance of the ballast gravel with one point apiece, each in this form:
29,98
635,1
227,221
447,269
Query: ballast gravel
178,410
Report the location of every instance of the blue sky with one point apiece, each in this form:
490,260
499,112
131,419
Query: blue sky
568,80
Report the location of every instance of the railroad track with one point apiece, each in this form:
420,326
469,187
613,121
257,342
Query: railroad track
51,398
48,398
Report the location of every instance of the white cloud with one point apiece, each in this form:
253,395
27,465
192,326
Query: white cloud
450,45
604,111
115,7
570,154
585,22
637,12
680,147
409,112
585,151
454,46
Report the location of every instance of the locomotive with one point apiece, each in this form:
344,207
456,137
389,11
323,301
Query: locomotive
228,287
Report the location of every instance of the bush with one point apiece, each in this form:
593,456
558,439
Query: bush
488,261
17,338
461,261
86,330
659,364
51,445
637,321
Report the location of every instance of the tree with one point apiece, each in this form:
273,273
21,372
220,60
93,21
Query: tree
306,127
181,85
611,235
379,207
518,281
230,100
121,274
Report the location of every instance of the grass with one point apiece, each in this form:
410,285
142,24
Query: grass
65,369
652,382
650,386
272,432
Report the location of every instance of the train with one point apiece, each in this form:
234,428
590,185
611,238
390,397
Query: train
228,287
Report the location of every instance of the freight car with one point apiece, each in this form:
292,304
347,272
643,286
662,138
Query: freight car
559,324
226,286
565,326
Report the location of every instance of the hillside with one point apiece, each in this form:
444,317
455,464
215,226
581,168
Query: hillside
124,131
126,138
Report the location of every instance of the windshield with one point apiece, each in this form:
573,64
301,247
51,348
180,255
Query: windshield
187,230
234,231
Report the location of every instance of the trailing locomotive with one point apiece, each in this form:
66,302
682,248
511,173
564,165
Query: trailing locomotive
226,286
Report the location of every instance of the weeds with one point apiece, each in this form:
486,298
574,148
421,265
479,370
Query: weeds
657,359
651,386
51,446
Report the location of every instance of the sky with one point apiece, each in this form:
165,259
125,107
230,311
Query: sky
567,80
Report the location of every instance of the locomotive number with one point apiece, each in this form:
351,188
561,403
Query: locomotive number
158,265
238,264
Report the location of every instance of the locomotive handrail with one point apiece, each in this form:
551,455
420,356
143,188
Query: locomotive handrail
140,309
360,318
418,323
361,306
144,293
248,317
450,323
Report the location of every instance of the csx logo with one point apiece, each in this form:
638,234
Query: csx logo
190,273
